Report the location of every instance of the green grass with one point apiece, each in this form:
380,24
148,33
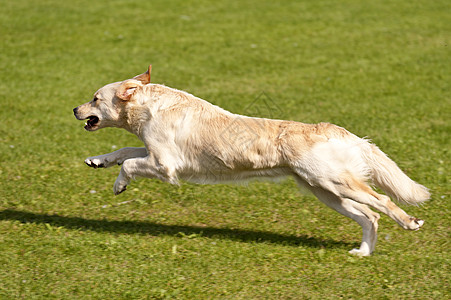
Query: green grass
382,69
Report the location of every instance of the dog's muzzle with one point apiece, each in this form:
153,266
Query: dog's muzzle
92,121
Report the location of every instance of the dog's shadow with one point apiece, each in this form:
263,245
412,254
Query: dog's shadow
156,229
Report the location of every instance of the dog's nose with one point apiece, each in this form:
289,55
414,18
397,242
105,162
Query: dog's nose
75,110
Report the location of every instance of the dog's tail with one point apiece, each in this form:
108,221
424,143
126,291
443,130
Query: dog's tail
389,177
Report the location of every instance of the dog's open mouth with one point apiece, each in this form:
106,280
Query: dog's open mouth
92,123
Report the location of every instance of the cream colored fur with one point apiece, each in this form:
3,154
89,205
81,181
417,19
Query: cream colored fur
190,139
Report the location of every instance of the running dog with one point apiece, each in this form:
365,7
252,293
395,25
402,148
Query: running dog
188,138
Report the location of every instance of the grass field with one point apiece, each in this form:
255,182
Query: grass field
382,69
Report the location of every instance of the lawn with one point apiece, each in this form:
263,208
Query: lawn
382,69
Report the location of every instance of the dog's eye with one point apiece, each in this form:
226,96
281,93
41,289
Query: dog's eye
95,99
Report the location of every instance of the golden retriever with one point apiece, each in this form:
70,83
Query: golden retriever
191,139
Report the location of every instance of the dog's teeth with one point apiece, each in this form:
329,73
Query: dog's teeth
86,123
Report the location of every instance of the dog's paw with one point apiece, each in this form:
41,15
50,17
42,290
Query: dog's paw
120,185
95,163
119,190
415,223
359,252
101,161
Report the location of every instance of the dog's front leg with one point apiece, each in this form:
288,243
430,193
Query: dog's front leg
148,166
115,158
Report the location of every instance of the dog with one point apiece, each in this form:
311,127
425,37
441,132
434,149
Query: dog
187,138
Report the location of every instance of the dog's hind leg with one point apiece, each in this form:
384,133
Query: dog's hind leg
360,213
362,193
115,158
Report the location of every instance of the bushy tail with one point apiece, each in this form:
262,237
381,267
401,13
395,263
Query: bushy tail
389,177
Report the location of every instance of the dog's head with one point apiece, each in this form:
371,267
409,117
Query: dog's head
107,108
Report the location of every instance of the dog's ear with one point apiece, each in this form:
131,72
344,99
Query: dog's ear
127,89
144,77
